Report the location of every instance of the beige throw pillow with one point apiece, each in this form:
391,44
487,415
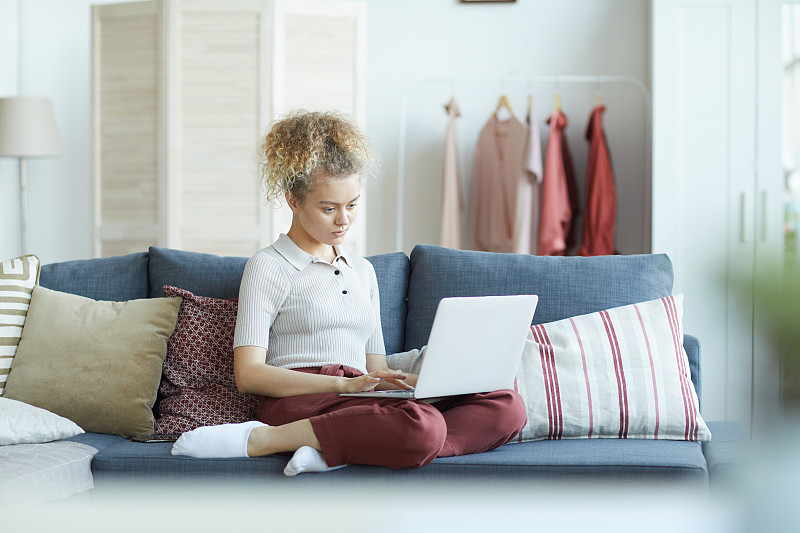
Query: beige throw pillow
96,363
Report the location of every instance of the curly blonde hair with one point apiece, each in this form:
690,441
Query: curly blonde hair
304,142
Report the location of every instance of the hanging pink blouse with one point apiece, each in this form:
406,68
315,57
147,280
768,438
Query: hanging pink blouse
499,167
450,234
533,164
555,210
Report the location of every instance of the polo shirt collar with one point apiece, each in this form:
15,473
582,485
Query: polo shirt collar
301,259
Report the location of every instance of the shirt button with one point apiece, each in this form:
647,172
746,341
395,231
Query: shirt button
344,292
336,272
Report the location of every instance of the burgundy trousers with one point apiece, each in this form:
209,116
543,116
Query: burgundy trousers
398,433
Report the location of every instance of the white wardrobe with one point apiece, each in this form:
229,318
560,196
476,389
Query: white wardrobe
182,91
718,183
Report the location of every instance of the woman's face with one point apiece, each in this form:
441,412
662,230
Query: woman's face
325,215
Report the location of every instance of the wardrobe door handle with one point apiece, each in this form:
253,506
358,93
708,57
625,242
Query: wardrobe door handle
743,217
764,219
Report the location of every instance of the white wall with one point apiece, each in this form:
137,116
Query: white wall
9,169
422,39
407,41
48,54
53,47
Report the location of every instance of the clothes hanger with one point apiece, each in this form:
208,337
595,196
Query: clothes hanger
504,102
557,103
452,105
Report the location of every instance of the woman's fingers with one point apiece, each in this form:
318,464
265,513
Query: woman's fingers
394,377
367,382
390,374
399,383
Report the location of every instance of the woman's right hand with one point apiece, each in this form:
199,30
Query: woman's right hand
367,382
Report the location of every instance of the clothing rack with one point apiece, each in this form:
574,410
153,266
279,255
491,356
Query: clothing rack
501,82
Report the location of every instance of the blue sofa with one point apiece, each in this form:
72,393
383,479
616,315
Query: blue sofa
410,289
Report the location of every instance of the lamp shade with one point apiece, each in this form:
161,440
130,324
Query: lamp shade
28,127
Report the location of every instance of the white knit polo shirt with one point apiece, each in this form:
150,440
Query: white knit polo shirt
307,312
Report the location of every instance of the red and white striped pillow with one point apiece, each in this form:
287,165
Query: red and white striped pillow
619,373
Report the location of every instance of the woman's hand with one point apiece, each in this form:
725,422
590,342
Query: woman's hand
367,382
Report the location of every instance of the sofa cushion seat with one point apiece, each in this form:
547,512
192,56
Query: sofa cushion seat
593,458
578,460
98,441
726,452
569,459
127,459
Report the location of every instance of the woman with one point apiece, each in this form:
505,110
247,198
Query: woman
309,328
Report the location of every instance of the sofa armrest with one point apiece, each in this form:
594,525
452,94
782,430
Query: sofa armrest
410,361
726,453
692,346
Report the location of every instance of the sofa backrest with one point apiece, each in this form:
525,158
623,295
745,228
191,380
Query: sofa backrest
110,278
202,274
566,286
220,277
410,289
144,275
392,271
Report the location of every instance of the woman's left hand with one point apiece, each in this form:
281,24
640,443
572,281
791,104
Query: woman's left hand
392,379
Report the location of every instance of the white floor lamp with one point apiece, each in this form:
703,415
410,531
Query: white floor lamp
27,129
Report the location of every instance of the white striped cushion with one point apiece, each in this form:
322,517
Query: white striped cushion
17,278
619,373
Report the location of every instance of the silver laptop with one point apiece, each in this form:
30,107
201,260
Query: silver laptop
475,345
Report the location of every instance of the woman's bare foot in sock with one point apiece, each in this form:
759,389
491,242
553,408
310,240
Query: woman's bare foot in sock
307,459
225,440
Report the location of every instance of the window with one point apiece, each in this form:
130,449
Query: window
791,131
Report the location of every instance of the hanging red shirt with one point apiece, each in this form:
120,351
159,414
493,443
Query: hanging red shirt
599,222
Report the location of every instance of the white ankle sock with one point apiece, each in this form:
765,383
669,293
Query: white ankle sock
225,440
307,459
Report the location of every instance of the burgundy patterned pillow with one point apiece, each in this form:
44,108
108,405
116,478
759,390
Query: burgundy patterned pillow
198,386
